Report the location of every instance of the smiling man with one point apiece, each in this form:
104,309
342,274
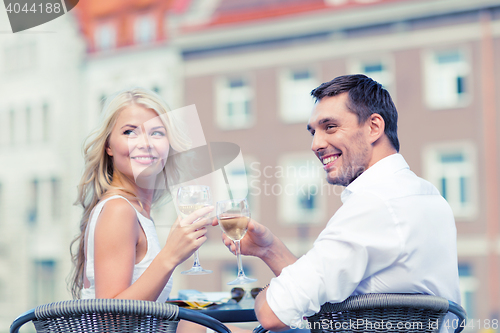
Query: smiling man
348,137
394,232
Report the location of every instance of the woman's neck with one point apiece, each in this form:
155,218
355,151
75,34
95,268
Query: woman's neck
145,196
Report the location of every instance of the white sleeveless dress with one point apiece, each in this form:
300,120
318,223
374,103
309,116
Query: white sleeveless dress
153,250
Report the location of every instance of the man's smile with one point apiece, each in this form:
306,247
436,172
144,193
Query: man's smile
329,160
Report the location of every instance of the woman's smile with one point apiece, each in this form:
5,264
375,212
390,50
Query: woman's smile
145,159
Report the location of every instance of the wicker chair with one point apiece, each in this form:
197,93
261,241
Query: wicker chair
111,316
385,313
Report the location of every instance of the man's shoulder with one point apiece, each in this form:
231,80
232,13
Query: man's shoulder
363,205
403,183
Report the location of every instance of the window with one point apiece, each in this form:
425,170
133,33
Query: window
56,197
20,57
156,89
29,128
446,79
4,135
299,190
45,122
377,69
344,2
239,176
4,287
105,37
44,281
33,209
102,102
468,286
234,103
144,29
296,99
12,126
451,168
2,204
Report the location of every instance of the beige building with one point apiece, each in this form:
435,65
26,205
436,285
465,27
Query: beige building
40,154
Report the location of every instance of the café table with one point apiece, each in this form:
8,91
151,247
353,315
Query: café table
231,315
229,311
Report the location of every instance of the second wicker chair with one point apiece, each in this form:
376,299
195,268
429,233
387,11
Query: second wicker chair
385,313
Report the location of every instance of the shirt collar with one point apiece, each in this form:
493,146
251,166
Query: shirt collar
376,173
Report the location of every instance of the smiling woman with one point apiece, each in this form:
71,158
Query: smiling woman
118,254
139,145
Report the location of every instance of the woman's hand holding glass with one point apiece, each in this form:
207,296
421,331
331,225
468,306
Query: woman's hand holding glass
191,199
187,235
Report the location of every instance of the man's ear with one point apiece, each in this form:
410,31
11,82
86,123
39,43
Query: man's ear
377,126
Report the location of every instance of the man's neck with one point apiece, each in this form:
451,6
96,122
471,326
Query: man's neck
381,149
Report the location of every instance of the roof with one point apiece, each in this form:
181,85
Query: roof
237,12
121,13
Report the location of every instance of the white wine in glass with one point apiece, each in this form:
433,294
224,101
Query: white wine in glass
235,227
190,199
233,216
185,210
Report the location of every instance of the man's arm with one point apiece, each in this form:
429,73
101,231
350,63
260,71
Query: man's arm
260,242
277,256
266,317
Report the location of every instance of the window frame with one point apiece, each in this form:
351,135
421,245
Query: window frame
434,170
469,285
356,64
287,209
222,91
284,82
45,278
108,26
139,31
435,101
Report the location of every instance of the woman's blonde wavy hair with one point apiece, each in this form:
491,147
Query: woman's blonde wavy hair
98,172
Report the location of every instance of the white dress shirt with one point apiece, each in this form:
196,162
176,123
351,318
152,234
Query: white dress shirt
394,233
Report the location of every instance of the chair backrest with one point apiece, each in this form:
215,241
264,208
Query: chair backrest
110,316
386,313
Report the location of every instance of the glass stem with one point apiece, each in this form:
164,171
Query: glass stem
238,257
196,262
196,259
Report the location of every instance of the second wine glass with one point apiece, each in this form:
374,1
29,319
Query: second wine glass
190,199
233,217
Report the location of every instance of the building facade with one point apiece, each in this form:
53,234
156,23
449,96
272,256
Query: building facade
40,150
248,66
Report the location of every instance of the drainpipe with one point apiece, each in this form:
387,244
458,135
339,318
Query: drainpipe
490,160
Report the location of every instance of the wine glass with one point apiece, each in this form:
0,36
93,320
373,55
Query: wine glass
189,199
233,216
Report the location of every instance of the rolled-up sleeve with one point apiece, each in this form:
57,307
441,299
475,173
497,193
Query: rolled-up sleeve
361,239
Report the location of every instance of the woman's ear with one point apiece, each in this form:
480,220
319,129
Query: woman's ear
377,126
108,150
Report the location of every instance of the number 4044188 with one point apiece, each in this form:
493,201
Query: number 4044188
46,7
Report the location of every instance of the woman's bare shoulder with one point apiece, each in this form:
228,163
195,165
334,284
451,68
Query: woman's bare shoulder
117,212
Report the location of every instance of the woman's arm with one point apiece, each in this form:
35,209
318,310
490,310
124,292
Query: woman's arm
115,240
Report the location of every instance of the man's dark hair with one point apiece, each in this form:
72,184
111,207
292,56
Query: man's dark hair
366,97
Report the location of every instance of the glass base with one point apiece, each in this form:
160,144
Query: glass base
197,271
241,280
